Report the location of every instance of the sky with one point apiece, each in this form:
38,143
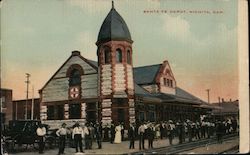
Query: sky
197,37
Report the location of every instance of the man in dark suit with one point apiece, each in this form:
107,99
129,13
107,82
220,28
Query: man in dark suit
131,136
112,132
98,135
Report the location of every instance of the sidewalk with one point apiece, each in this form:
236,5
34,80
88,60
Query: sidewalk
123,148
107,148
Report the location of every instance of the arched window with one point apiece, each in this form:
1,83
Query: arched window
118,55
106,56
75,77
128,57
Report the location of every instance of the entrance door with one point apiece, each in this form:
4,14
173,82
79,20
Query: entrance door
121,115
91,112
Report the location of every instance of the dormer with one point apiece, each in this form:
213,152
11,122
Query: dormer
165,79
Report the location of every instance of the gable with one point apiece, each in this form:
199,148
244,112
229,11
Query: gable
165,71
87,68
75,58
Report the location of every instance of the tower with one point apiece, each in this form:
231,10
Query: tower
115,68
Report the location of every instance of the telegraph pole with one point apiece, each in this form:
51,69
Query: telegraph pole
27,95
208,95
32,104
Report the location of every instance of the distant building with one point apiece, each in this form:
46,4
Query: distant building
6,105
226,109
112,89
19,108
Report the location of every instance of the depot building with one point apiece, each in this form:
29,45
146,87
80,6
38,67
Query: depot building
112,89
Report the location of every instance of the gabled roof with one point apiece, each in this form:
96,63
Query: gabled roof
146,74
74,53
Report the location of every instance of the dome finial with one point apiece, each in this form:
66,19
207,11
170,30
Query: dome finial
113,5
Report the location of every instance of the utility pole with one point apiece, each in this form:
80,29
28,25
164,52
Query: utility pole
208,95
32,104
27,95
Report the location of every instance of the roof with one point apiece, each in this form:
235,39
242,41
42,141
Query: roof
167,98
226,107
22,100
146,96
114,28
94,63
146,74
184,94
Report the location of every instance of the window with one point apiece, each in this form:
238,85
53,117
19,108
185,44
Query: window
118,55
106,56
59,112
55,112
75,77
3,103
168,82
151,116
128,57
165,81
74,111
50,112
171,83
141,116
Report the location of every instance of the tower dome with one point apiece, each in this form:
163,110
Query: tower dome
113,28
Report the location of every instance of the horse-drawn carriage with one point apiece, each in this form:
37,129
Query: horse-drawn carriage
23,132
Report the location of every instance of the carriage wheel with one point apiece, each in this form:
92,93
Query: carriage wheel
36,145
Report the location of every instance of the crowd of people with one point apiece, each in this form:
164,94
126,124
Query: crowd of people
115,133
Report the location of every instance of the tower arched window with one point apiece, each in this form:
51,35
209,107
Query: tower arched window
106,56
128,57
75,77
118,55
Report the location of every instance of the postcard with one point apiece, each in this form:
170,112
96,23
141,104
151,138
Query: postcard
124,77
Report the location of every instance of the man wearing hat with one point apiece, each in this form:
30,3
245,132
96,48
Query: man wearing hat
170,127
131,136
78,135
41,132
61,133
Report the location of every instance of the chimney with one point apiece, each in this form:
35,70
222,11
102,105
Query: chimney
219,99
75,53
230,100
222,100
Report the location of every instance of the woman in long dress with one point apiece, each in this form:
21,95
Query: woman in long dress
118,136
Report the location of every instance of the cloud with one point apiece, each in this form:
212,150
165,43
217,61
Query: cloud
86,40
176,27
